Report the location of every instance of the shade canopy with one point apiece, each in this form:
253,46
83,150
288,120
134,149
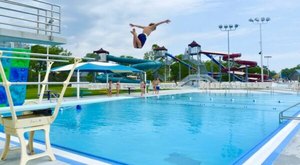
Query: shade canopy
98,67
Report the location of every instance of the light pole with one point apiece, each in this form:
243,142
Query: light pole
228,28
268,57
262,20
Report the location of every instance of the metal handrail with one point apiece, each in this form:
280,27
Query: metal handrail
45,55
33,59
30,6
46,3
42,83
46,19
24,12
28,27
281,116
28,20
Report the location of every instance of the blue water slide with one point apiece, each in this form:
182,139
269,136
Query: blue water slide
222,66
184,63
136,63
215,61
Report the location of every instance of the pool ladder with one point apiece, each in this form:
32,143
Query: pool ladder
294,117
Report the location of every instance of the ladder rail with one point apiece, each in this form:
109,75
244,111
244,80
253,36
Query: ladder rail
294,117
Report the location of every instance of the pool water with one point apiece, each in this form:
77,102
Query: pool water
185,129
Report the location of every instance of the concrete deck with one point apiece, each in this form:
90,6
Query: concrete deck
63,157
291,153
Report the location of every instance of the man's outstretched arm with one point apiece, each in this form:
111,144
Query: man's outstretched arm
165,21
138,26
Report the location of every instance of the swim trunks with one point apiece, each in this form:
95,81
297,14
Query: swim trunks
142,37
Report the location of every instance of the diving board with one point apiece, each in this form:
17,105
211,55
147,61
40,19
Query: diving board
17,124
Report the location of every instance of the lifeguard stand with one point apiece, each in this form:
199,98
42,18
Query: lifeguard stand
23,24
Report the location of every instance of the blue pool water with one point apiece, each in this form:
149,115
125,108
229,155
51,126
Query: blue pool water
185,129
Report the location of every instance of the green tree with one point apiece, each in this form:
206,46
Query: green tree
154,46
37,66
92,55
149,55
126,56
287,72
175,69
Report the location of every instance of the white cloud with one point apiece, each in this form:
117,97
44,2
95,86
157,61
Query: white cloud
110,20
105,24
267,6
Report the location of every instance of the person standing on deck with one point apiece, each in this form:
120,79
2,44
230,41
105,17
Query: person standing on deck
118,86
143,88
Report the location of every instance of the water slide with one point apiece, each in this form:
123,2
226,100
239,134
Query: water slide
181,61
135,63
240,62
209,55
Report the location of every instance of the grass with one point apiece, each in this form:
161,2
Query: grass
32,91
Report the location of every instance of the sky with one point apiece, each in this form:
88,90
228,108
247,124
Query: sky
89,25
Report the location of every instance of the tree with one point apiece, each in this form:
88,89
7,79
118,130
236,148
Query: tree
126,56
37,66
149,55
92,55
175,69
154,46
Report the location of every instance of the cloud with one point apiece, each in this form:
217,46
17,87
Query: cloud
90,25
267,6
109,22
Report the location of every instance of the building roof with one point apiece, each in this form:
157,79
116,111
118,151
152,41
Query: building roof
194,44
101,51
161,48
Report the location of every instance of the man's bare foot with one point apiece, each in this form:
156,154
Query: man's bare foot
133,31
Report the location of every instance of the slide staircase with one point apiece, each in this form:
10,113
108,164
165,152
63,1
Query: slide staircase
203,69
192,79
189,80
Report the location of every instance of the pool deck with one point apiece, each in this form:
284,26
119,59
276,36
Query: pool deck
289,155
62,156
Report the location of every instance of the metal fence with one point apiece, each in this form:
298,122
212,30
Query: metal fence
31,15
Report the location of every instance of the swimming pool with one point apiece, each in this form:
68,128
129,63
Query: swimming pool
186,129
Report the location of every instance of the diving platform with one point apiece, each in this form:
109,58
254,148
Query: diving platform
35,22
7,35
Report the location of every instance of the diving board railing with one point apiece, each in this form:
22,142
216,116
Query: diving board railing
291,117
33,117
38,16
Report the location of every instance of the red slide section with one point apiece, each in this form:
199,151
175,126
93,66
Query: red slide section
244,62
231,56
258,76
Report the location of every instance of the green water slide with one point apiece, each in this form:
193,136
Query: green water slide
140,64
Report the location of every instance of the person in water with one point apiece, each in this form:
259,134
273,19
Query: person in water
139,40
